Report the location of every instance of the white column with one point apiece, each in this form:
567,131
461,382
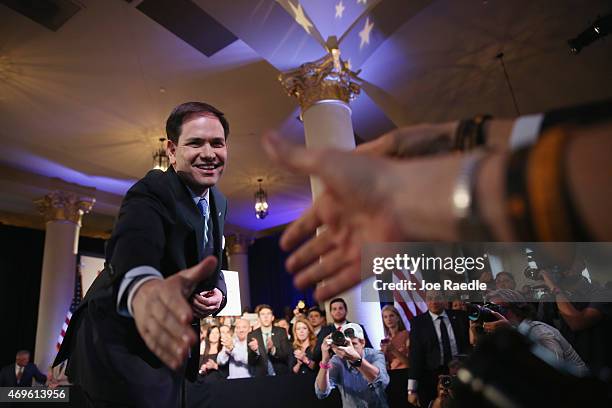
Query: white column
63,212
324,89
328,124
238,260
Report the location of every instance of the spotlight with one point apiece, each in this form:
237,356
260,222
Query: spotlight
599,29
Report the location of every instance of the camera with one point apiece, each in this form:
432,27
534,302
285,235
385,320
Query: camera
483,314
447,381
339,339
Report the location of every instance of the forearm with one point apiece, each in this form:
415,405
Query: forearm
498,133
322,381
368,370
223,356
400,356
588,169
490,194
572,316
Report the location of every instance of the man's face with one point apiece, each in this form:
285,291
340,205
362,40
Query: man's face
225,330
283,323
358,345
266,317
503,281
200,155
338,312
315,319
435,302
241,329
22,360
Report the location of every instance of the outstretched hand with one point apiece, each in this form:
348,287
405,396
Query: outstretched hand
366,200
163,316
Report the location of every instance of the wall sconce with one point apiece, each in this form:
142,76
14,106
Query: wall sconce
160,158
261,202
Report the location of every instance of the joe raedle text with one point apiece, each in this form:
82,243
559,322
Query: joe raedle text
447,285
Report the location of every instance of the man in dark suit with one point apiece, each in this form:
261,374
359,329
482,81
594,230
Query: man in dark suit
436,337
21,373
128,341
269,347
338,311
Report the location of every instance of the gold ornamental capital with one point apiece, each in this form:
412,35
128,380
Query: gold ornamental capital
238,244
328,78
64,206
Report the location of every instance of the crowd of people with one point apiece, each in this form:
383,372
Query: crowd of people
416,362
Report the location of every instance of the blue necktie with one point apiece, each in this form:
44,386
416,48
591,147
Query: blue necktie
204,210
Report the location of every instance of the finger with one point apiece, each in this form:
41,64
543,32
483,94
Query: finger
381,146
172,350
181,334
174,300
302,228
310,252
329,265
349,276
211,301
196,274
335,168
160,343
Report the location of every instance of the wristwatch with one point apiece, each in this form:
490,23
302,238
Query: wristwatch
356,363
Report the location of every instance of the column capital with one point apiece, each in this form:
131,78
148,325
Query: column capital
238,244
326,78
64,206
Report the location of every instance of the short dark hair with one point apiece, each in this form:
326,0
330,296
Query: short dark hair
336,300
508,274
515,301
259,308
174,123
316,309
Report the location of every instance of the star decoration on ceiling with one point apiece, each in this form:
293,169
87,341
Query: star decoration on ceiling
300,17
339,9
365,33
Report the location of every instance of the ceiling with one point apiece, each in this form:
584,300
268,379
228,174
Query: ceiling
84,106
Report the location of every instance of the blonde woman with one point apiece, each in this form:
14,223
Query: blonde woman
395,348
304,341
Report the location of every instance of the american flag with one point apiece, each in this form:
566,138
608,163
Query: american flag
410,303
76,301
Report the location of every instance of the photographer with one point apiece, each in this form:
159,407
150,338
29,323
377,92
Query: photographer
358,372
587,326
517,313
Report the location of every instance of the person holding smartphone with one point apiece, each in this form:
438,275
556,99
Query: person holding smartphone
395,348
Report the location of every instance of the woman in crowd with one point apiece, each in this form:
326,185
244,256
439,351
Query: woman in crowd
395,348
209,370
304,341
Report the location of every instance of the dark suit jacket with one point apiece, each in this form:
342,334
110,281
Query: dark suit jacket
424,352
280,361
9,379
326,331
159,225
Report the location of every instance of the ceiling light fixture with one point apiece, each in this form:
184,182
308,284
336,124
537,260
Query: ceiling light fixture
160,158
261,202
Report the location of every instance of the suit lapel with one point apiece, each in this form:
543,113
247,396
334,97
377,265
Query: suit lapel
217,209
